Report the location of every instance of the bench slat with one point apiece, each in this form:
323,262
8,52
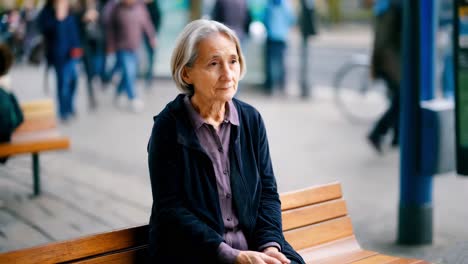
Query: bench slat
377,259
37,105
33,143
312,214
409,261
338,247
79,248
42,123
346,258
309,196
125,257
313,235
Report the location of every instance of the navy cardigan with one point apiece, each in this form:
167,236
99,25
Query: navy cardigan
186,224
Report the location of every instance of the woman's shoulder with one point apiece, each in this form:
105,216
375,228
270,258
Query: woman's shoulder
170,112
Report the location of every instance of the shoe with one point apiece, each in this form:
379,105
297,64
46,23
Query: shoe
375,143
137,105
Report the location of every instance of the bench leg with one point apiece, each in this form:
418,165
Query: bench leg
36,174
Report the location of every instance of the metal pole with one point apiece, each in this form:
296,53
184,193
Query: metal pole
36,174
415,223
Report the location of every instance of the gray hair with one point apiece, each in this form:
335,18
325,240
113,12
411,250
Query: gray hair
186,51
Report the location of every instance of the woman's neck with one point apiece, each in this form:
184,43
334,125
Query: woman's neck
211,111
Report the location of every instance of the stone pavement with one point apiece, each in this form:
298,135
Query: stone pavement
102,182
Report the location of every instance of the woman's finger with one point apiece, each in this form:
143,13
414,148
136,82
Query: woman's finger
279,256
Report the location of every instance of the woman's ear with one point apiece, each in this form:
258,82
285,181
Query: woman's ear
186,75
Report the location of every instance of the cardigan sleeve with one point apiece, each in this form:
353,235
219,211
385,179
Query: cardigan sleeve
268,227
168,208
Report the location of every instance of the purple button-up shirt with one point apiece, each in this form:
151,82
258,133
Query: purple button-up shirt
216,145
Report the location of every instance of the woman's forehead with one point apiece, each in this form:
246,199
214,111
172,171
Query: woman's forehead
217,44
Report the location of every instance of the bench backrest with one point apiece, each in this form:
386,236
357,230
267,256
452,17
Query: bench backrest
38,115
38,131
312,216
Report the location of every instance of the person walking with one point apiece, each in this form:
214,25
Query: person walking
155,14
60,30
91,34
386,65
234,14
129,21
278,20
308,29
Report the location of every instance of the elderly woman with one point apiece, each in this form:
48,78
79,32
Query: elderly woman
214,192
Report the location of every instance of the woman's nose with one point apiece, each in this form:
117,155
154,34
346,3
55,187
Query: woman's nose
226,72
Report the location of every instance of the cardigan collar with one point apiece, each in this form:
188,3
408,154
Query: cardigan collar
184,128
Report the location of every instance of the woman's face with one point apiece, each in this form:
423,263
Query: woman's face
216,70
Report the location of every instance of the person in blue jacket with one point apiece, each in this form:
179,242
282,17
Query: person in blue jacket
278,19
215,197
61,32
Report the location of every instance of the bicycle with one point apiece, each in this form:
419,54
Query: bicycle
357,96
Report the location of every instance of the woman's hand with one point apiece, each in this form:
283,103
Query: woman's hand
270,256
274,252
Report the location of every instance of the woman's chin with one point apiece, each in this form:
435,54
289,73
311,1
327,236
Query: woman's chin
226,94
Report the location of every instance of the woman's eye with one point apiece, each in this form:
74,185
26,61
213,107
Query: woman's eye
214,63
233,61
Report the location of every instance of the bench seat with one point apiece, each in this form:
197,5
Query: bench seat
315,223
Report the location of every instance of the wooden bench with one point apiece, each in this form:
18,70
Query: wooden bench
315,222
38,133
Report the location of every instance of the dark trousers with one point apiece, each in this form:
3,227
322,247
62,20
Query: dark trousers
94,65
150,52
391,117
67,81
275,68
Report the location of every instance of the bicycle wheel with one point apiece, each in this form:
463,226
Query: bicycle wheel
360,99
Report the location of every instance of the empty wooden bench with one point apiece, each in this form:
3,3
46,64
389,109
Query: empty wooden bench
38,133
315,222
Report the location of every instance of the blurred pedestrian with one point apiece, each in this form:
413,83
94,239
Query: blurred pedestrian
307,25
235,14
110,63
92,40
215,198
33,43
155,14
60,29
129,22
386,65
278,20
334,11
11,115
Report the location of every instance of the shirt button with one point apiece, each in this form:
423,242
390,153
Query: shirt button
228,196
225,172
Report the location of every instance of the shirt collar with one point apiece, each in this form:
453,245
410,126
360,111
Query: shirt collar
231,115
